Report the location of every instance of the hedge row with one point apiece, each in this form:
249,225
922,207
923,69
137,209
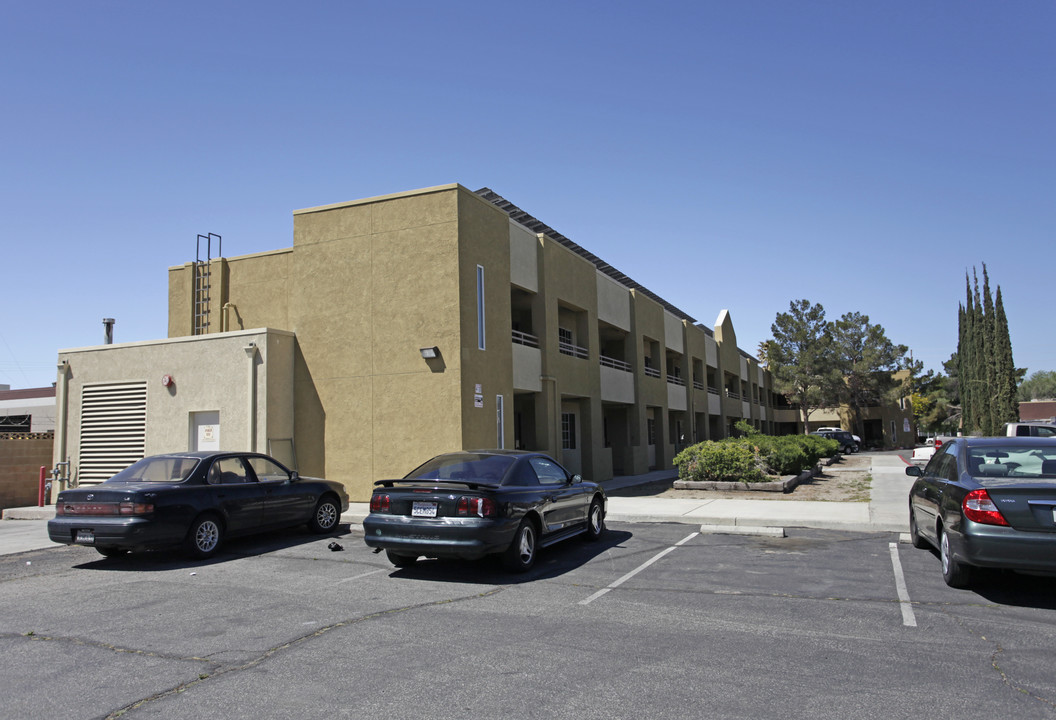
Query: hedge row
753,458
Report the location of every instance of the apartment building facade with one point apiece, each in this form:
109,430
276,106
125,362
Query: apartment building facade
402,326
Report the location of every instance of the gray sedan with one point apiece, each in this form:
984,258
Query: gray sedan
987,503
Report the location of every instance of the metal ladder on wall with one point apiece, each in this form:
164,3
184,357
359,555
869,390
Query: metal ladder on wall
203,281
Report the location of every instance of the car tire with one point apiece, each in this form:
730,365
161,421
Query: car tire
325,517
595,520
204,537
914,532
520,555
401,561
955,573
111,552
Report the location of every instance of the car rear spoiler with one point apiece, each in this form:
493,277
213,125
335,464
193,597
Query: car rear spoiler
471,484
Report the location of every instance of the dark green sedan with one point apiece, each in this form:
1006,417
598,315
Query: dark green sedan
987,503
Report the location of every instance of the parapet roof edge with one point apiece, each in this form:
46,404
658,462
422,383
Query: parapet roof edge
182,339
535,225
380,198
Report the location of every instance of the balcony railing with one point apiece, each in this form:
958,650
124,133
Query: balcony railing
652,372
567,348
523,338
615,364
698,384
733,394
676,380
713,390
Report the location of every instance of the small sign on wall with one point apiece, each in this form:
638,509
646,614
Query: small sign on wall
208,437
478,401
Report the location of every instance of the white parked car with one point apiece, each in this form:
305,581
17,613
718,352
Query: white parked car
836,429
1029,429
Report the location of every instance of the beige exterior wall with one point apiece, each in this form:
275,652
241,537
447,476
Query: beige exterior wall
369,283
252,392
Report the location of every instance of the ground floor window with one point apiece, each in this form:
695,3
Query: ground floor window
568,431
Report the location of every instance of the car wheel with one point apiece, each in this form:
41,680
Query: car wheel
325,517
595,521
111,552
956,574
914,532
401,561
204,537
520,555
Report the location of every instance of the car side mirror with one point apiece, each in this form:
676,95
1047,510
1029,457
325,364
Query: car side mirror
577,478
294,476
914,471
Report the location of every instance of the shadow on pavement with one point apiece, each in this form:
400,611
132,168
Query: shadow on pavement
232,549
552,562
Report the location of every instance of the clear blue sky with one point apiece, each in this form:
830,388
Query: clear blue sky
740,155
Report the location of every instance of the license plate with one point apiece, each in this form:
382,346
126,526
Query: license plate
423,509
84,537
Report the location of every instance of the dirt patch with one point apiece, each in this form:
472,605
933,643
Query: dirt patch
846,481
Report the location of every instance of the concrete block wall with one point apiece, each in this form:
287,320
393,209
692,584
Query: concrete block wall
21,456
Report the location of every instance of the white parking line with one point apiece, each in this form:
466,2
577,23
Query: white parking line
638,569
361,575
908,618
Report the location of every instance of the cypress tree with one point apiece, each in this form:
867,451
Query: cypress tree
980,397
964,358
1007,406
989,368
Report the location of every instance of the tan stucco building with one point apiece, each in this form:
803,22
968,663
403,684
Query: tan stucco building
402,326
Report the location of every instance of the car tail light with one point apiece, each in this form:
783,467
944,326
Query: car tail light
938,443
379,503
481,507
978,507
127,508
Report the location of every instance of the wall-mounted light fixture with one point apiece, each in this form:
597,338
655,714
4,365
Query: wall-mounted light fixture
430,353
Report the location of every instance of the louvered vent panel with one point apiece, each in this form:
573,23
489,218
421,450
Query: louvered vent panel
113,429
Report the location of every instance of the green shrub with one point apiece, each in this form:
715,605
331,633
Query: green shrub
722,461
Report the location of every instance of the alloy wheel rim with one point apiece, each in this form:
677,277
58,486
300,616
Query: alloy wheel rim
945,553
207,536
326,516
527,544
595,519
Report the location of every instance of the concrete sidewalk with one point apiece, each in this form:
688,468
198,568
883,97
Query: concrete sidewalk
24,529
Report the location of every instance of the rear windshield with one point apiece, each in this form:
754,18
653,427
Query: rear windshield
1012,461
159,469
489,469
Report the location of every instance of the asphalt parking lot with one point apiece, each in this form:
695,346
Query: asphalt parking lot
656,620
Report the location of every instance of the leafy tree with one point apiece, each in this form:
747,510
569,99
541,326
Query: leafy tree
1041,385
800,356
866,360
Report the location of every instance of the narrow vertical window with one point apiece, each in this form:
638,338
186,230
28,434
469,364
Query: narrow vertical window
480,307
500,423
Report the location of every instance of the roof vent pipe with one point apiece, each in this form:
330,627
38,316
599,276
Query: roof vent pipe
108,331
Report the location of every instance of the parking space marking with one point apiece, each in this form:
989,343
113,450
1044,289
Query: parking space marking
908,618
638,569
361,575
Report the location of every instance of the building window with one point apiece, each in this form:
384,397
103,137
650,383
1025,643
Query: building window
500,423
480,307
568,431
650,429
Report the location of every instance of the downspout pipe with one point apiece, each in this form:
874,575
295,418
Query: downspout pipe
251,408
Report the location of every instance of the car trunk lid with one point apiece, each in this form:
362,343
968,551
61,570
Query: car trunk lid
1025,505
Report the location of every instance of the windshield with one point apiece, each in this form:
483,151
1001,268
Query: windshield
464,466
159,469
1012,461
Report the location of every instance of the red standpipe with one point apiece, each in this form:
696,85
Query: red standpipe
40,488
